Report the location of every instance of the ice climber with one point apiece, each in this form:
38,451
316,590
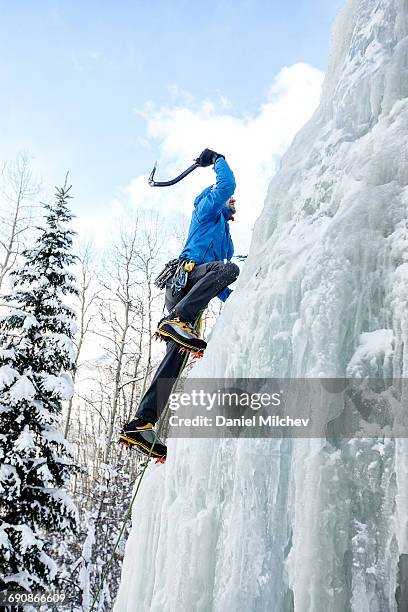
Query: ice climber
203,271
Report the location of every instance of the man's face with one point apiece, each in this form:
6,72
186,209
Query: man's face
231,205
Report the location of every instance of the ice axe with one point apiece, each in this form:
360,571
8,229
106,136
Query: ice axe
178,178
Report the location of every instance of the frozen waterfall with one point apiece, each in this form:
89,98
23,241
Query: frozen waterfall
303,525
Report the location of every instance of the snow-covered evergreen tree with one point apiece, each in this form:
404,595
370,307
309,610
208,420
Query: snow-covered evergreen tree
36,356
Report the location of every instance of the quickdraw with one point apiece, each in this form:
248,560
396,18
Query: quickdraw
177,271
166,274
180,276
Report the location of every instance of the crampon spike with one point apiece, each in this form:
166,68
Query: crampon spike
157,336
124,444
194,354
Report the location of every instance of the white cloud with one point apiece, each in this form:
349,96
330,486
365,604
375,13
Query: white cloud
253,144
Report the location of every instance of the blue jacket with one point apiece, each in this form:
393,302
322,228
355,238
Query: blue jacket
209,236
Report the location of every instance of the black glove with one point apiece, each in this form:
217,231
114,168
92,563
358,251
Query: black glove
208,157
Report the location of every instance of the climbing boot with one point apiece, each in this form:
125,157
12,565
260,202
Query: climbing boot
140,434
182,333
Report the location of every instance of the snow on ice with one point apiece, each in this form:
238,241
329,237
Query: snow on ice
373,355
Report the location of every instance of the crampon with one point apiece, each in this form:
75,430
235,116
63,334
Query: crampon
126,444
182,349
157,336
194,354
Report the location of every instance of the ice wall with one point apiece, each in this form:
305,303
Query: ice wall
303,525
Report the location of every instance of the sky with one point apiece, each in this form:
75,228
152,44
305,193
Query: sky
103,89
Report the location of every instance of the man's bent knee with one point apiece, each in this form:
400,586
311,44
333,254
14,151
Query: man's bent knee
231,271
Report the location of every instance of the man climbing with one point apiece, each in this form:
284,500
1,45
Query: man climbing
197,276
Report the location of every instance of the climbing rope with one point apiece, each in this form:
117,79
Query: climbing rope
139,475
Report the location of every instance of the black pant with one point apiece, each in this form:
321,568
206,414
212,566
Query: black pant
204,283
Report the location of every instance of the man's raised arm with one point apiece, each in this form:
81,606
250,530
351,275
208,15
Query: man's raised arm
224,184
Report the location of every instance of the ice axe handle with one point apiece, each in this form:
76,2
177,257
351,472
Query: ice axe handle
154,183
